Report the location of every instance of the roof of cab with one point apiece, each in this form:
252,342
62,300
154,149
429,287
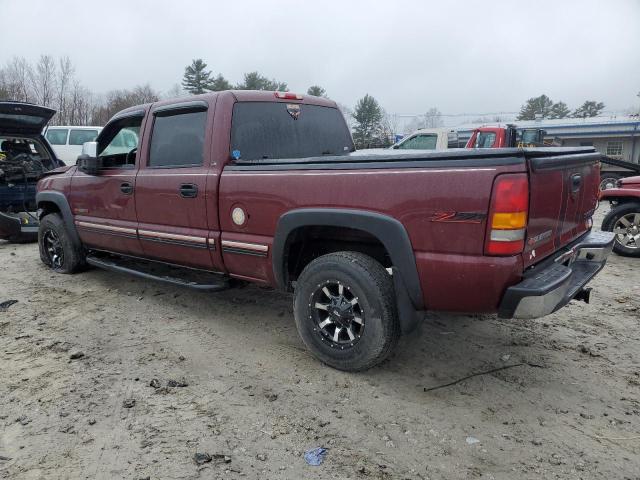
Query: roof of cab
238,95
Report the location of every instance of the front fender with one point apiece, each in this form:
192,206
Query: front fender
60,201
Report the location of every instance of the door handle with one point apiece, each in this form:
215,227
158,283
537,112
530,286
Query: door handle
126,188
188,190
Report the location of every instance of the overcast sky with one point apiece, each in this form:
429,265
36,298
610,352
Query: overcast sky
459,56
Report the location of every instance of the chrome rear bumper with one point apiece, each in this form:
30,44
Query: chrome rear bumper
550,286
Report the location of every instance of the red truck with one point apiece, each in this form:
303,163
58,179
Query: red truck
624,218
263,187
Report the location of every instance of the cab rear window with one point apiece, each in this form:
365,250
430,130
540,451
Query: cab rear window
268,130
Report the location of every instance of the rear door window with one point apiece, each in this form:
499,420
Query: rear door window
268,130
57,136
79,137
178,139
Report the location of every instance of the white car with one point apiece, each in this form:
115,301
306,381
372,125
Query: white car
67,140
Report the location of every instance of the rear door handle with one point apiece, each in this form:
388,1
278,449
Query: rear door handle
188,190
126,188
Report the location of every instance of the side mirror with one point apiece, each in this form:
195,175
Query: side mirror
88,162
89,165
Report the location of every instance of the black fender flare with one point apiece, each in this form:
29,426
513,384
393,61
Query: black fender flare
59,199
388,230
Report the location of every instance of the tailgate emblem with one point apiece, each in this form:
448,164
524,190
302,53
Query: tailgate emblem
540,237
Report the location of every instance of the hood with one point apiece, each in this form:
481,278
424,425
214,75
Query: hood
23,118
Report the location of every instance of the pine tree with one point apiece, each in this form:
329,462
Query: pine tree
559,110
368,129
255,81
536,106
317,91
196,79
590,108
220,83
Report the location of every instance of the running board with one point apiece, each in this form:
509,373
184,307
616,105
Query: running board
184,277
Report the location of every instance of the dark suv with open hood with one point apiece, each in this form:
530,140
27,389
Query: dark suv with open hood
25,157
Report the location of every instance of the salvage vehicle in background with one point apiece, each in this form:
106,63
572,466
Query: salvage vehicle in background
264,187
25,156
611,170
624,218
428,139
67,140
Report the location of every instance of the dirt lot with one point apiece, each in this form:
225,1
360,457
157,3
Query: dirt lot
567,406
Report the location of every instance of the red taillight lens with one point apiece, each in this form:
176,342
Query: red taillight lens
288,95
507,223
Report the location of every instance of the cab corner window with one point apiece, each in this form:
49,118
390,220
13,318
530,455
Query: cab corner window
177,139
118,143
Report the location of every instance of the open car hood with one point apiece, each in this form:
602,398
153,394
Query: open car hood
23,118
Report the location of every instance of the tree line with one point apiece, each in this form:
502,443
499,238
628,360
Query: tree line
52,82
543,107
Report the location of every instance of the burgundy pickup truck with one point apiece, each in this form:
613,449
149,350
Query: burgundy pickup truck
264,187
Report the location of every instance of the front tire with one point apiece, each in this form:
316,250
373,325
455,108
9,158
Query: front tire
624,221
57,250
345,310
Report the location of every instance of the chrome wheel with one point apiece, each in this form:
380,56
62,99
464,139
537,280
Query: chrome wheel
53,248
627,230
608,182
337,314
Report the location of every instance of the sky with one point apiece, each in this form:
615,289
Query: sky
458,56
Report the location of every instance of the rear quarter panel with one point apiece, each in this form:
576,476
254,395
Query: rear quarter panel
449,250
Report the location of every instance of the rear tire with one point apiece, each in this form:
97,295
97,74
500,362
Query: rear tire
624,221
57,250
352,294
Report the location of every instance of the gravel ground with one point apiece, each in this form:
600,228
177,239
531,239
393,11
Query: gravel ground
107,376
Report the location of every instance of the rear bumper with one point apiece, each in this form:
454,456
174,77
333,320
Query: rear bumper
550,286
18,227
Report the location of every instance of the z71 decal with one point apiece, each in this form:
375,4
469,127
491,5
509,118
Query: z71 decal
459,217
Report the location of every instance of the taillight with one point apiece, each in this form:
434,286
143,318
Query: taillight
288,95
507,223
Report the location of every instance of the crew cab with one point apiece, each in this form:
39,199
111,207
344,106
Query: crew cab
25,156
264,187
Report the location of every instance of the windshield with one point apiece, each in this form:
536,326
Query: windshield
420,142
268,130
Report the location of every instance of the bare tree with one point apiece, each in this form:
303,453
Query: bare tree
175,91
17,74
66,71
43,80
433,118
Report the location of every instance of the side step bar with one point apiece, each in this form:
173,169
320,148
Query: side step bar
184,277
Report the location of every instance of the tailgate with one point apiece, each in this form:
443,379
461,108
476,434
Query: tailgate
563,194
